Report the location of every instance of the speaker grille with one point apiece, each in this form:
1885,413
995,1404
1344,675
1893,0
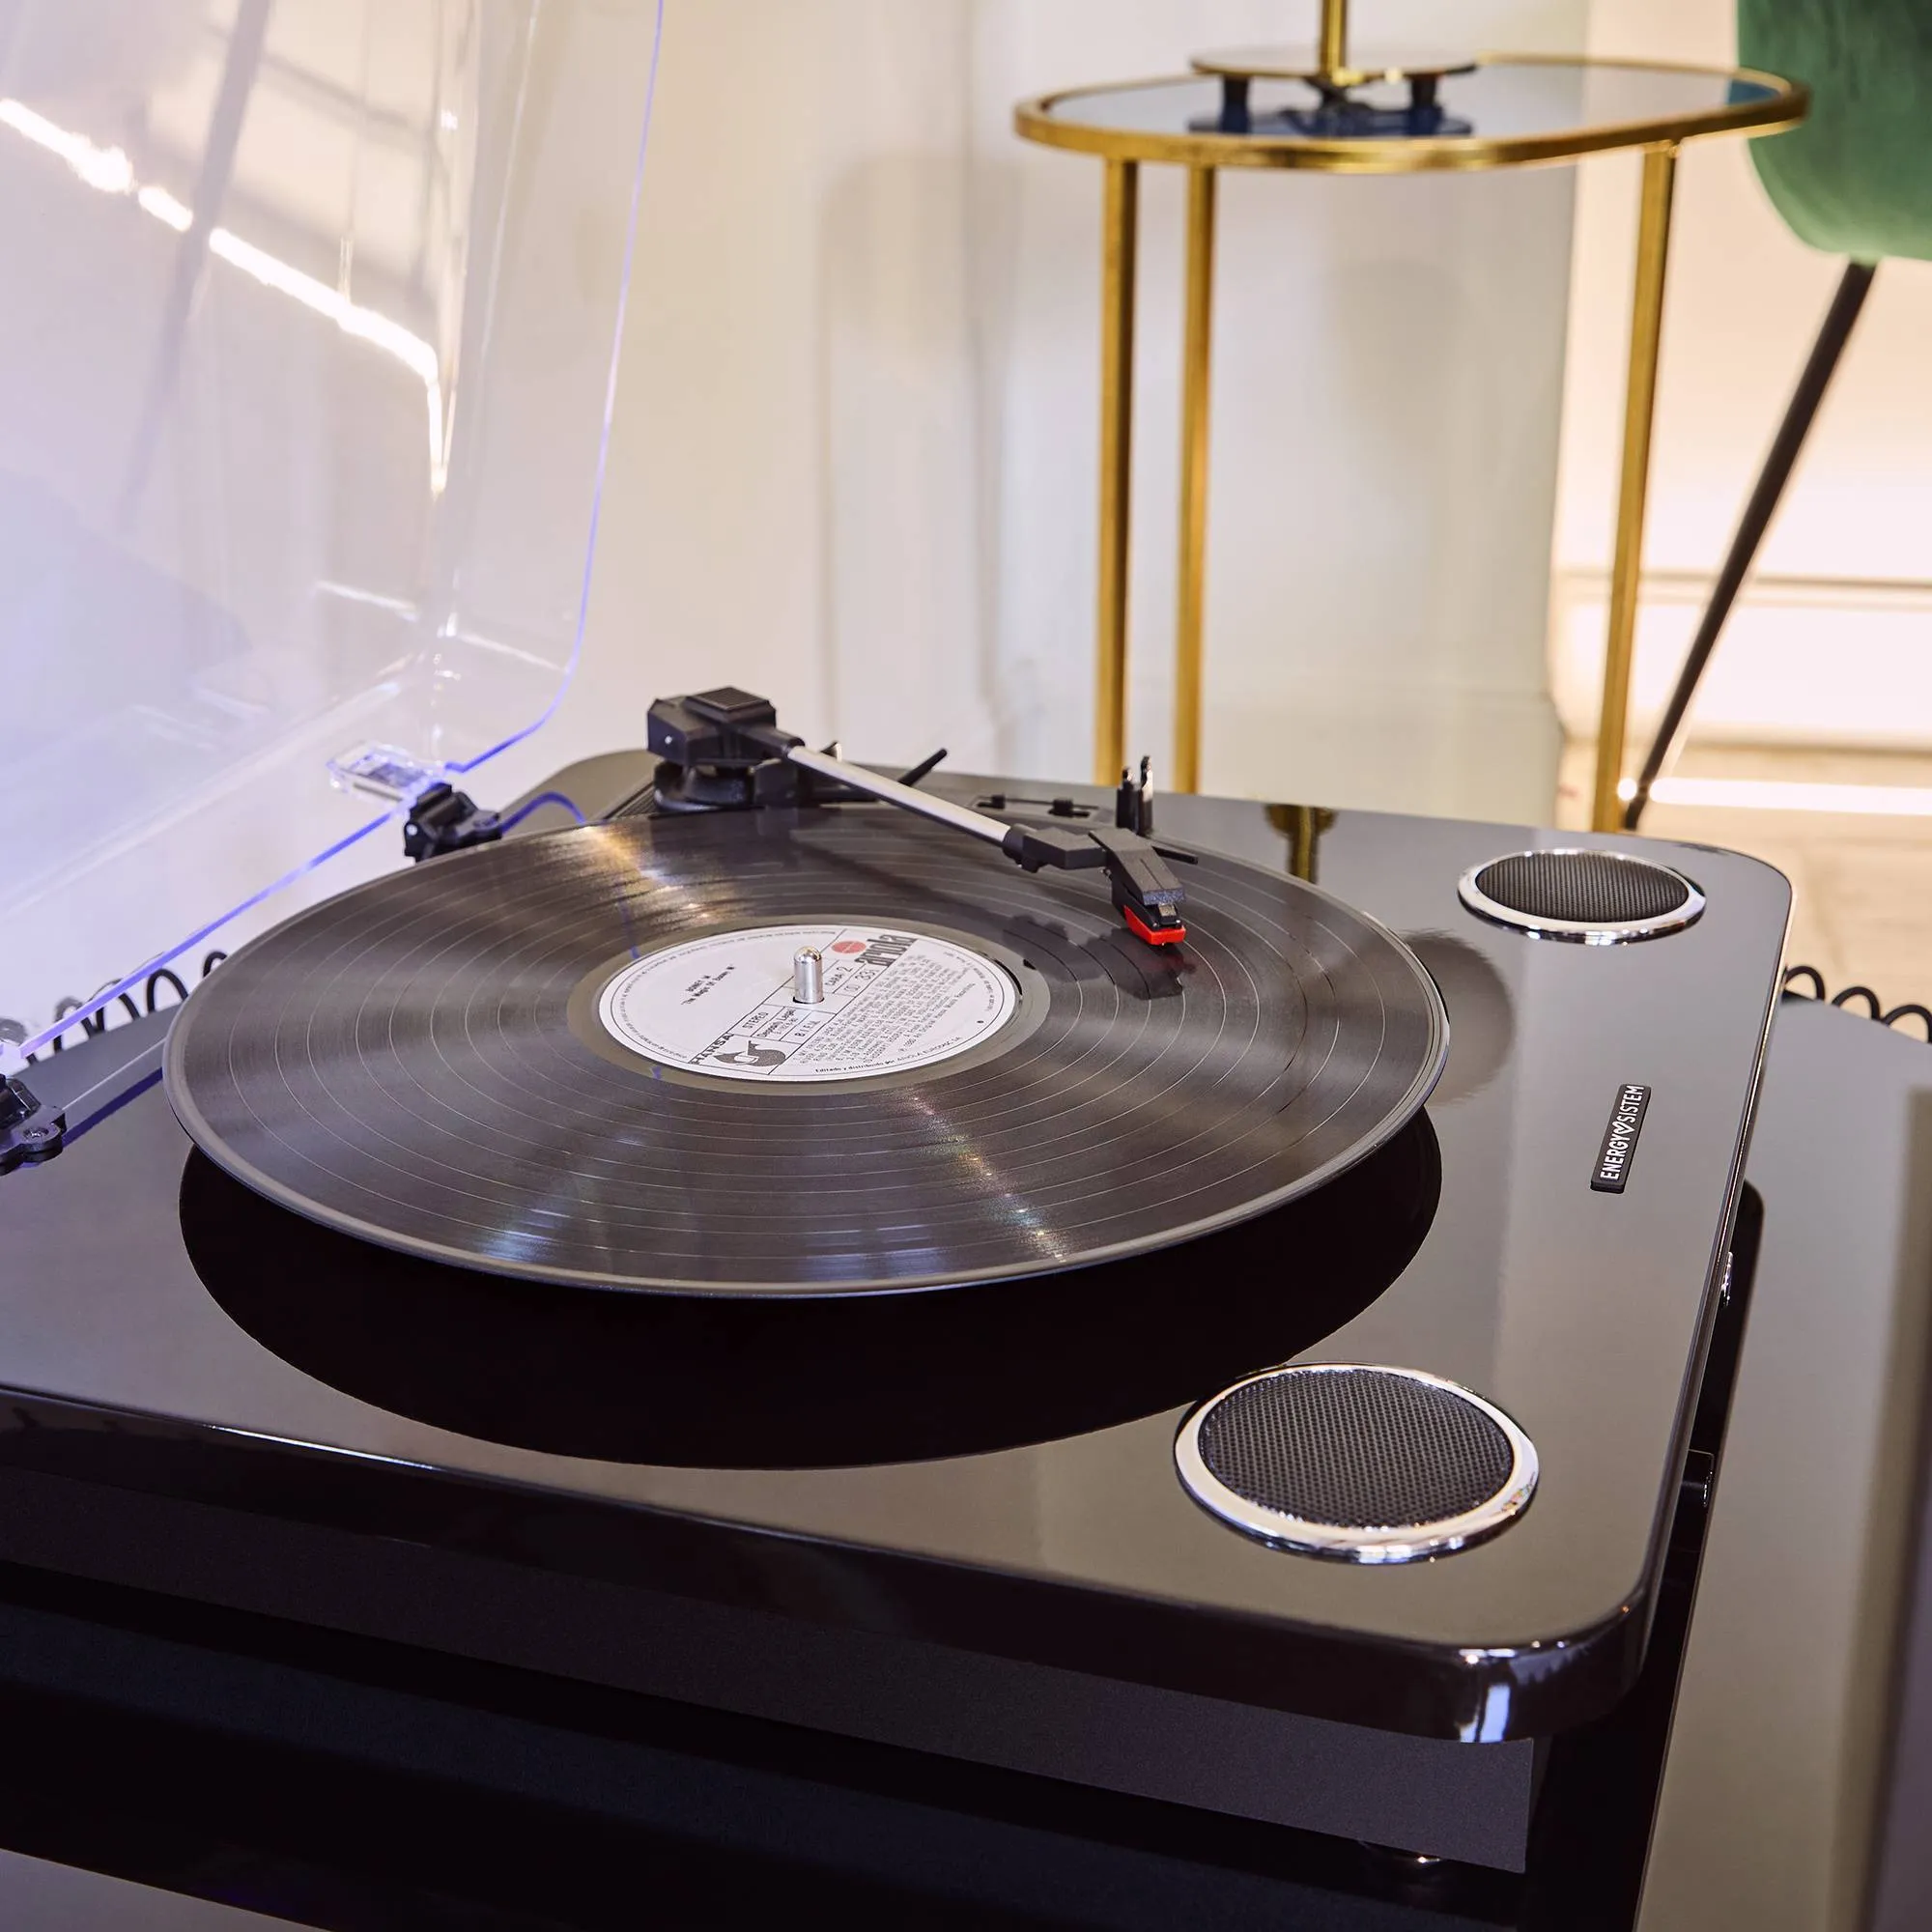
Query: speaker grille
1371,1464
1592,896
1363,1451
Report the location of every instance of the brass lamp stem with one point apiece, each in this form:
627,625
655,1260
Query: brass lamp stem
1334,38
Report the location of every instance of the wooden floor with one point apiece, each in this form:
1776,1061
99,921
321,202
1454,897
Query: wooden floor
1862,883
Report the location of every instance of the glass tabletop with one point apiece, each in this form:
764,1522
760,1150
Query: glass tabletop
1499,114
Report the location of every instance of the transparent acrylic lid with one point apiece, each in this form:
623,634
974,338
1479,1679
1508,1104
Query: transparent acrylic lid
309,323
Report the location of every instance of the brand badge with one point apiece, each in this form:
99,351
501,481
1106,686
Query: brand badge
1613,1163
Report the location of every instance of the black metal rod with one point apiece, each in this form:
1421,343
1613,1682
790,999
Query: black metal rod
1852,288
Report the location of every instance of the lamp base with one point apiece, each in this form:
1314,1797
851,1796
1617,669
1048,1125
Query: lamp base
1358,70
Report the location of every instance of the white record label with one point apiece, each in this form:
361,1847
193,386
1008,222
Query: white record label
724,1005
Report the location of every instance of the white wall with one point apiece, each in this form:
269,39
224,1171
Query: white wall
1847,572
855,457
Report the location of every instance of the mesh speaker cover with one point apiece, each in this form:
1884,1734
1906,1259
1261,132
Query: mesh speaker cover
1598,898
1377,1465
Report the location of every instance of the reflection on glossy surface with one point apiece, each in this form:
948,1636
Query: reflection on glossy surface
1302,826
304,360
1481,1024
728,1385
1805,1690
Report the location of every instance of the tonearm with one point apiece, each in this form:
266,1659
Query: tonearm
723,750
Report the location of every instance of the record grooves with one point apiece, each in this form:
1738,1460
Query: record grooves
417,1064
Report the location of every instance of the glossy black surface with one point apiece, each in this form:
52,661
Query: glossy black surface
1583,1315
805,1384
419,1063
358,1785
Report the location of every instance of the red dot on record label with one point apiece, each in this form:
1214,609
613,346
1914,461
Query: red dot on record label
848,946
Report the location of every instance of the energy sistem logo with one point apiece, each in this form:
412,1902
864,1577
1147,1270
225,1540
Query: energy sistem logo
1613,1163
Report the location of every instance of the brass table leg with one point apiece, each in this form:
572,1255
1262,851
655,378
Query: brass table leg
1117,441
1192,574
1653,249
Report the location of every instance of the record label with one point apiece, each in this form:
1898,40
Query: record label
725,1004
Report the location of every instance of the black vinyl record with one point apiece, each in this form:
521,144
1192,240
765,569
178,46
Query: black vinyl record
511,1058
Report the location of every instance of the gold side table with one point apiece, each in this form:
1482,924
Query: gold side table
1330,113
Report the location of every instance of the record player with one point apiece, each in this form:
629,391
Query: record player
1220,1303
976,1511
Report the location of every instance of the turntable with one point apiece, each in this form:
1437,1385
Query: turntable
1147,1390
1215,1304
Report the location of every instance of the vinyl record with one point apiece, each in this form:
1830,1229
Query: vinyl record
578,1057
